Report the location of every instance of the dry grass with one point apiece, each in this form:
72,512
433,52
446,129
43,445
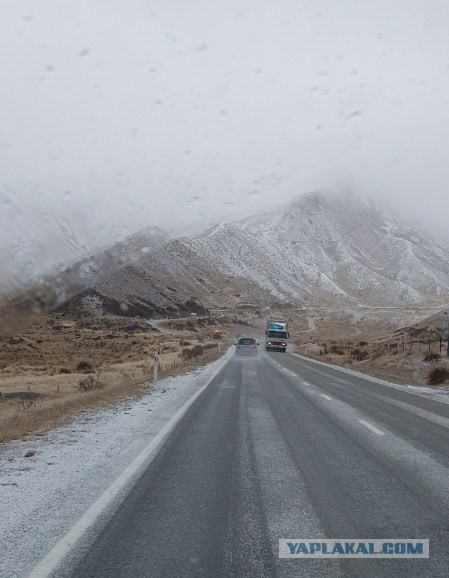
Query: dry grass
61,366
401,350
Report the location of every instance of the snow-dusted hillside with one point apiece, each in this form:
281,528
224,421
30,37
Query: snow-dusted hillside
320,248
344,246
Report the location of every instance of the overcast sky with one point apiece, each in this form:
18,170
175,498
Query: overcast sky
137,113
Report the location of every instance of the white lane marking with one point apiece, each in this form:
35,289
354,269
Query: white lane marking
366,376
131,473
326,396
306,383
424,413
370,426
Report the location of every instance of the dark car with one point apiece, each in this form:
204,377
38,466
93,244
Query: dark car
246,346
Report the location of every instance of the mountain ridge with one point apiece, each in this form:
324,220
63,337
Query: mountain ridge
318,249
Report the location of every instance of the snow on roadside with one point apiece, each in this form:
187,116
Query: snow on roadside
42,496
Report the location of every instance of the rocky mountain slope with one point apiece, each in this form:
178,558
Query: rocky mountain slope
322,246
319,249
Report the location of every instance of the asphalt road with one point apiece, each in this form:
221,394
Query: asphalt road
280,447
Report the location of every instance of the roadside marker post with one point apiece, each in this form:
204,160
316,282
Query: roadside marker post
155,365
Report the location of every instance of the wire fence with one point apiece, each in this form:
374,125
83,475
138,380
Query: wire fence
360,348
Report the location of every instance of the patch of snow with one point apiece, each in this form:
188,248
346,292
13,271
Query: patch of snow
43,495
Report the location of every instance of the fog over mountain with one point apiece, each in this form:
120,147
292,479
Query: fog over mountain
318,249
116,116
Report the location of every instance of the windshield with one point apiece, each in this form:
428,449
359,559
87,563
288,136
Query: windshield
277,335
247,341
176,177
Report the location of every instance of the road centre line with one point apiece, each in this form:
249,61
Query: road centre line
326,396
371,427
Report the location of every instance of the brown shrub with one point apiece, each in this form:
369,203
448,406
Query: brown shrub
431,357
90,382
359,354
84,366
64,370
438,375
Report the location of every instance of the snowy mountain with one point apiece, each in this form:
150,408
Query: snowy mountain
319,248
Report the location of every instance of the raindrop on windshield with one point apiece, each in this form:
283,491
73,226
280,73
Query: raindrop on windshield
354,114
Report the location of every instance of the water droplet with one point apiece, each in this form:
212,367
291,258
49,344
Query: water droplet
223,112
145,250
67,195
323,73
201,47
124,307
84,52
354,114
